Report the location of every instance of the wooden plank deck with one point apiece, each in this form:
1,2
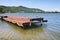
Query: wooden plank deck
21,21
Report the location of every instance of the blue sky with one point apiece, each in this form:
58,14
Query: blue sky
48,5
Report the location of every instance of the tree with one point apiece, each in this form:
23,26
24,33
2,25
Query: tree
1,10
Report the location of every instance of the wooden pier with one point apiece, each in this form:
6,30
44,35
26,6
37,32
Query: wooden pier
21,21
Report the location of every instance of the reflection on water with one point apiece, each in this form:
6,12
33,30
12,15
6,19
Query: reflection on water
49,31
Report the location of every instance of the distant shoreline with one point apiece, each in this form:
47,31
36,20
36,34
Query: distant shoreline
22,9
31,12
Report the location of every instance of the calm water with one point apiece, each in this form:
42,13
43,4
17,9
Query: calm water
48,31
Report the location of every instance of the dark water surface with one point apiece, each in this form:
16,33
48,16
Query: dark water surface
48,31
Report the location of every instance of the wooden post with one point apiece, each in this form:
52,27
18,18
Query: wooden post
30,23
41,22
1,17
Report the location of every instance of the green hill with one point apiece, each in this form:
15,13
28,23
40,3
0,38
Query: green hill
22,9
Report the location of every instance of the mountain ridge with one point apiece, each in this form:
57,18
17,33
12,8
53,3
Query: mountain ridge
13,9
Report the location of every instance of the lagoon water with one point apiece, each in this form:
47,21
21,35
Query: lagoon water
48,31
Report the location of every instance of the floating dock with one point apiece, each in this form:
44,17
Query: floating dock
21,21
